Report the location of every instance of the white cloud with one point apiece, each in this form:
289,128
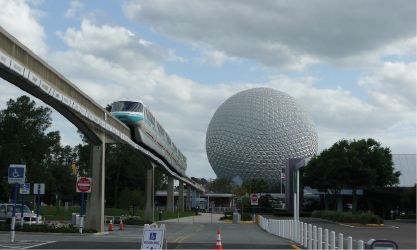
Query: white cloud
74,9
111,62
214,57
393,87
185,107
113,42
284,34
19,19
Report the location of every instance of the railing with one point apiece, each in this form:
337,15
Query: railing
307,235
113,219
220,210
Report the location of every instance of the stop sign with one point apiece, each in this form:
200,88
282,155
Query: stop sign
254,200
83,185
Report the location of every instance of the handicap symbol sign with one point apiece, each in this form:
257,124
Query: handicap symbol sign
16,173
152,236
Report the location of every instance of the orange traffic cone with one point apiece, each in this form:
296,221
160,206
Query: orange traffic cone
121,225
111,225
219,241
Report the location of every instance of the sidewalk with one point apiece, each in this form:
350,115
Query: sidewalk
201,218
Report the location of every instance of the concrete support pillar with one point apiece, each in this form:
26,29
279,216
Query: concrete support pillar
95,201
188,201
194,198
339,203
181,197
148,213
170,194
293,165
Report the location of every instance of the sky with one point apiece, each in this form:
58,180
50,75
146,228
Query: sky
350,64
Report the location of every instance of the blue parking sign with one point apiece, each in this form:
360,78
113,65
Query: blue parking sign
16,173
24,188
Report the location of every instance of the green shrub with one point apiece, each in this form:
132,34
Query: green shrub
133,220
407,216
229,213
290,214
246,217
348,217
228,217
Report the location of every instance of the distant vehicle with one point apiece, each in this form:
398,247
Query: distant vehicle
6,210
149,133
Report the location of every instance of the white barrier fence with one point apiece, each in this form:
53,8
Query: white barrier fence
308,235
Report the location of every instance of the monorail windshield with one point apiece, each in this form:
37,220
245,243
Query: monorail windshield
127,106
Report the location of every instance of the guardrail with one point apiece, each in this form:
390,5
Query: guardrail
307,235
220,210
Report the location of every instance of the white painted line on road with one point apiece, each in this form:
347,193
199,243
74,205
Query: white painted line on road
40,244
100,233
345,225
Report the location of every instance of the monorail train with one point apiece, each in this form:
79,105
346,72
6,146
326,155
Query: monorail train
148,132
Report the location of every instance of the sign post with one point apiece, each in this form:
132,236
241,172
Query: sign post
254,202
38,189
83,186
24,189
16,175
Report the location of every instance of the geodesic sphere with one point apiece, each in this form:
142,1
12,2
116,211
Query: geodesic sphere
254,133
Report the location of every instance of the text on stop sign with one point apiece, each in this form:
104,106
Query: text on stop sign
83,185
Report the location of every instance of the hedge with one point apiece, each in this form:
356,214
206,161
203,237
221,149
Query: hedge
349,217
229,216
290,214
407,216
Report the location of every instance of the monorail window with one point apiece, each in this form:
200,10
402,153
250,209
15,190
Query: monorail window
150,117
127,106
160,129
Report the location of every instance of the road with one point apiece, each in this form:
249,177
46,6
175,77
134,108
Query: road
403,232
180,235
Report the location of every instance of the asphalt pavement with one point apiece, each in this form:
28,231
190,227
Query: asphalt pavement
199,232
403,232
190,233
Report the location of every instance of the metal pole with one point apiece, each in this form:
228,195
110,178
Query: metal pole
280,181
153,193
295,206
21,210
38,203
81,213
12,224
298,195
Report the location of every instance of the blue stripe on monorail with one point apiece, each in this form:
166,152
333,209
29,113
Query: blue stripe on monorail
128,117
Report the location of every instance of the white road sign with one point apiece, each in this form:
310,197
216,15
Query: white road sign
39,188
153,238
24,188
254,200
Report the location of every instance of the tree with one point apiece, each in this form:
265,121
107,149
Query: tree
22,138
351,165
256,185
220,185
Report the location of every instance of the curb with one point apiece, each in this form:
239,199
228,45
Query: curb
374,225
